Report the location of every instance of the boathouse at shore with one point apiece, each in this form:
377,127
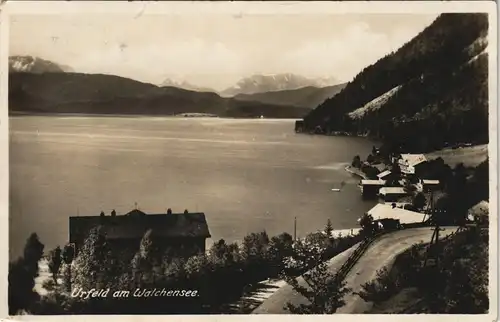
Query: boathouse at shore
370,188
299,126
183,233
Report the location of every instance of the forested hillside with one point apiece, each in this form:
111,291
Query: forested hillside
431,92
309,96
108,94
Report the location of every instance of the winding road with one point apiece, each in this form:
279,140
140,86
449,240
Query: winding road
381,253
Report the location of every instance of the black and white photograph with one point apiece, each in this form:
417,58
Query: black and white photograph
251,158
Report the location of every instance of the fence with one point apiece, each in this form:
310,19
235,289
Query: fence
356,255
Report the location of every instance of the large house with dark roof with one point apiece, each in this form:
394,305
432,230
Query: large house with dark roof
184,234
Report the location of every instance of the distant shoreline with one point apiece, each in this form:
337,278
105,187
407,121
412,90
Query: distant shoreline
179,116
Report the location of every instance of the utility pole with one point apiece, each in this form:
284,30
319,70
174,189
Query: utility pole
295,228
435,235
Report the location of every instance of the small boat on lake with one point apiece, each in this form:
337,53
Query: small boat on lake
342,184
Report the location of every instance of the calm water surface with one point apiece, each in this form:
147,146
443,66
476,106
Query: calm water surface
246,175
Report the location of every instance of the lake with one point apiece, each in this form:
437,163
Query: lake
245,175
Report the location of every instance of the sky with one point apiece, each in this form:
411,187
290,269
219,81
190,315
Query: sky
214,51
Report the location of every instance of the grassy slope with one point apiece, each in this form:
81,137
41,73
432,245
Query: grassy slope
469,156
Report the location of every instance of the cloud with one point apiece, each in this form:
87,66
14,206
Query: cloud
154,61
218,55
346,54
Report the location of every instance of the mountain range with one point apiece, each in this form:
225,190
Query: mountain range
302,97
277,82
57,92
30,64
431,92
39,85
185,85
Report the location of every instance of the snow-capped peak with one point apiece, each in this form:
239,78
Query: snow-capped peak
30,64
259,83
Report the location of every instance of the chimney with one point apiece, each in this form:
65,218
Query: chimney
113,213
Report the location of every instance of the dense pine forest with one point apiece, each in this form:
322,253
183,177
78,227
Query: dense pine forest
431,92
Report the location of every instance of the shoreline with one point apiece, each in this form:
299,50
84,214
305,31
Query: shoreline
355,172
179,116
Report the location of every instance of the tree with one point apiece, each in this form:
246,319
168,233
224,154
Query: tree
396,169
370,159
419,201
144,261
324,290
458,195
255,245
356,162
329,229
22,274
410,187
366,223
319,240
68,255
33,252
280,247
92,264
55,262
381,288
255,254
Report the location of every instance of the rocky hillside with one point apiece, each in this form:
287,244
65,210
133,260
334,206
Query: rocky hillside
30,64
279,82
431,92
303,97
107,94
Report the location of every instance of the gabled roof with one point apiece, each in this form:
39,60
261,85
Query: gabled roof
384,174
392,190
381,211
373,182
134,225
413,159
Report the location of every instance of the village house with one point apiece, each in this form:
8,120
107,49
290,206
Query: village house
387,211
391,194
184,234
430,185
412,164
